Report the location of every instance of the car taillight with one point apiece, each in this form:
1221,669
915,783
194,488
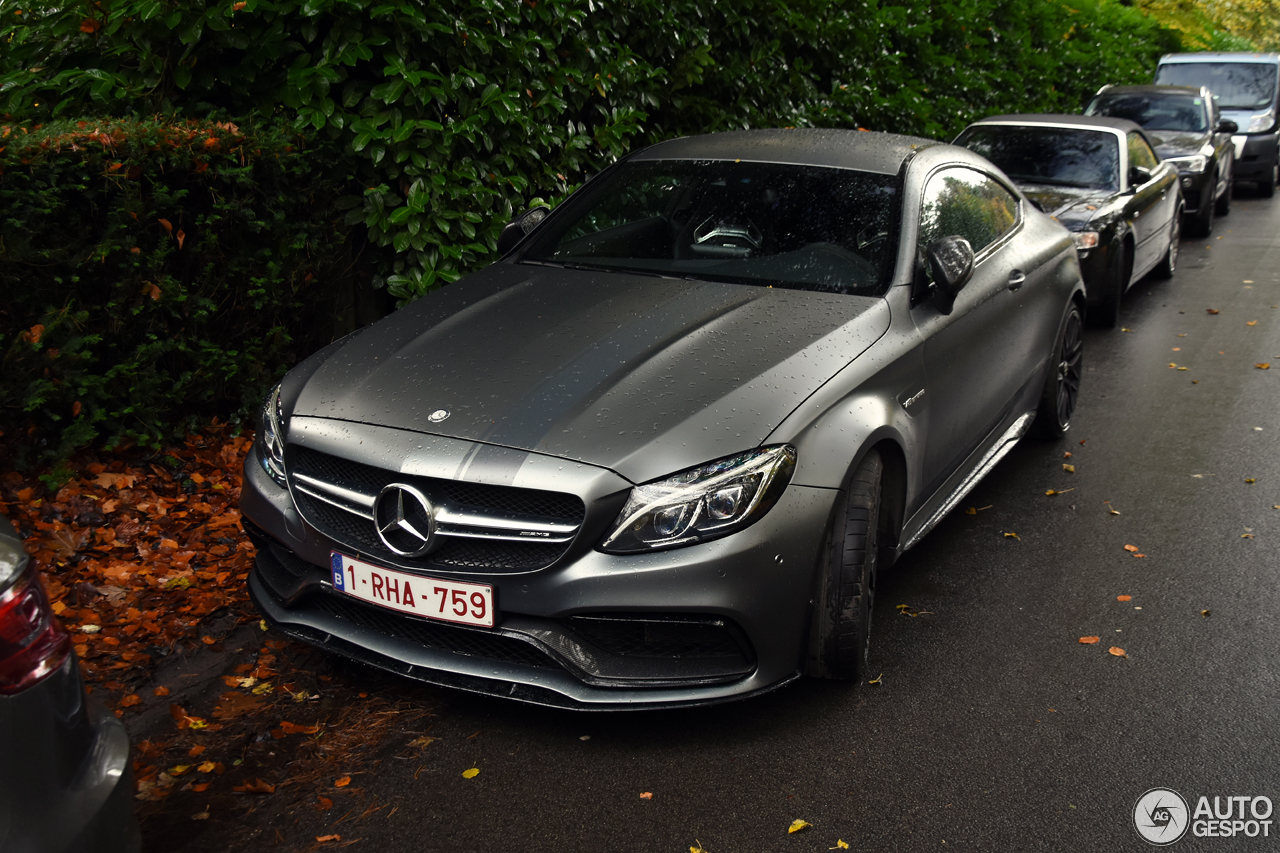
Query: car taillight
32,643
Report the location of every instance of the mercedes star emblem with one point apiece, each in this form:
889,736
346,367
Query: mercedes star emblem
404,519
438,415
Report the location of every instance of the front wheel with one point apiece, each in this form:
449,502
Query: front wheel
841,626
1062,385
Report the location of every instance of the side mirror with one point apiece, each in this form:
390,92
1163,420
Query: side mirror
951,264
1228,126
1138,175
519,228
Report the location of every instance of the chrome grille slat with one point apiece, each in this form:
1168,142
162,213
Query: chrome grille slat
336,496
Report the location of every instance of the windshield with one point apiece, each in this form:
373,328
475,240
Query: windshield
1236,85
1055,156
1181,113
798,227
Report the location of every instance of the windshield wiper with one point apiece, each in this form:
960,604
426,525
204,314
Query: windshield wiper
598,268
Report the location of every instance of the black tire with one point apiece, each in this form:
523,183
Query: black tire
1267,186
841,626
1223,206
1105,313
1062,384
1169,263
1202,222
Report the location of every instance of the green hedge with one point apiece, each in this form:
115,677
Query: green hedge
157,274
454,113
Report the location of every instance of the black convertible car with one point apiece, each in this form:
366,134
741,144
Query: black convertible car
1101,178
658,454
1188,132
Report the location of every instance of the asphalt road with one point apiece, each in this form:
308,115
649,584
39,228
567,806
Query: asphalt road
993,728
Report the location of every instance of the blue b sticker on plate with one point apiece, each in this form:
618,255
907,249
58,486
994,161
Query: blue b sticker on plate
335,561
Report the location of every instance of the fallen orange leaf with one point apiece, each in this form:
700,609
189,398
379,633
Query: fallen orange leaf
130,700
1124,598
646,795
342,782
1131,548
325,803
257,786
201,788
161,691
195,751
1211,310
321,838
1088,641
1263,365
1117,651
1252,323
167,225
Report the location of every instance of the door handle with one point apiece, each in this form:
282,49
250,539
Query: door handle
1017,278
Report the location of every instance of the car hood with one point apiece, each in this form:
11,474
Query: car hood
642,375
1071,206
1171,143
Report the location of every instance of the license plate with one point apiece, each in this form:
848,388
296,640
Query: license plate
432,598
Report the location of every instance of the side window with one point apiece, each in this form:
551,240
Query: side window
966,202
1140,153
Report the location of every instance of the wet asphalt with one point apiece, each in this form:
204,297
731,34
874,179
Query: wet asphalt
993,727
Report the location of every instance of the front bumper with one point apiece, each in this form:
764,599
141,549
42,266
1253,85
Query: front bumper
1095,267
1256,155
1197,190
734,613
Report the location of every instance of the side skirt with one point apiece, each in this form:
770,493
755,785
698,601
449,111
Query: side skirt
928,516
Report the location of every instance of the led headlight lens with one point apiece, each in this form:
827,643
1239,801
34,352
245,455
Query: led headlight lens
1085,239
271,437
1257,124
702,503
1190,164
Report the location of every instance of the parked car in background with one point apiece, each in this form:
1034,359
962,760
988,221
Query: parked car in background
1187,130
1246,87
658,453
1101,178
65,778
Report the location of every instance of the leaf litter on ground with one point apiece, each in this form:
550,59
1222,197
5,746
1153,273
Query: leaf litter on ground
145,562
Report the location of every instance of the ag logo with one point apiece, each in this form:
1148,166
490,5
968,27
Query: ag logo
1161,816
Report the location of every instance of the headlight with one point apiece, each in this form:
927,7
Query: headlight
1260,123
271,437
1189,164
702,503
1085,239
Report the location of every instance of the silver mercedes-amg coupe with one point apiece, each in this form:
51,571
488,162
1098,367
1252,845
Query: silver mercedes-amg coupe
656,455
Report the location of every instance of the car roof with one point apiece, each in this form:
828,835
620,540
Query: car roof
1150,89
1219,56
866,151
1062,119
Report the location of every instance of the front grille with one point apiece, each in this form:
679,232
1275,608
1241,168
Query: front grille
347,525
472,642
